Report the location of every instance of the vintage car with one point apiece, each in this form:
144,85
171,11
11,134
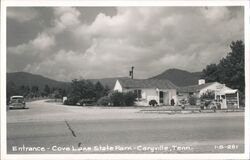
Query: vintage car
17,102
86,102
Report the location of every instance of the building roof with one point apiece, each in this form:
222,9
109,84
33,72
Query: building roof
193,88
147,83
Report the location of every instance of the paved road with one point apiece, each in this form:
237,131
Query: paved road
121,131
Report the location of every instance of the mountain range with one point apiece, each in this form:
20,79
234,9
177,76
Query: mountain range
28,79
176,76
180,77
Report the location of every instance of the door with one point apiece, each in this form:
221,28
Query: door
166,98
161,96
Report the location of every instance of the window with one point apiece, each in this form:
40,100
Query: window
137,93
191,93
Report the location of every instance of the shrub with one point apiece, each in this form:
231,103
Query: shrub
207,102
123,99
129,98
153,102
183,101
117,99
192,100
87,102
104,101
208,95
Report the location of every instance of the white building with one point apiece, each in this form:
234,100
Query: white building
229,98
148,89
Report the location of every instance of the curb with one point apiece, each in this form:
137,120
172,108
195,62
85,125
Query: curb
188,111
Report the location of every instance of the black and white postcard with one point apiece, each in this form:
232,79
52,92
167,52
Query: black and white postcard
124,80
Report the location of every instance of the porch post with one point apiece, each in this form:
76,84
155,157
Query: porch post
226,100
238,103
158,94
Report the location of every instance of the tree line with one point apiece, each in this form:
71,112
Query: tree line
85,90
34,91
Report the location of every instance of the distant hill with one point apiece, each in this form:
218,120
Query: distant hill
28,79
110,82
176,76
180,77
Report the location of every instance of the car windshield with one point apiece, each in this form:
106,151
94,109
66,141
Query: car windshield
17,99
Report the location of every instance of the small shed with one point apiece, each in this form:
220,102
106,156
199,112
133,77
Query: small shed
228,97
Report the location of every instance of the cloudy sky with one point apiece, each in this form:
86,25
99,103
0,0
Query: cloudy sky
97,42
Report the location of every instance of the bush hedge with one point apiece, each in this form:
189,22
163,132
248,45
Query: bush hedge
192,100
104,101
153,102
122,99
129,98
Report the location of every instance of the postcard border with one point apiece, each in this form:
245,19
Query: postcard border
5,4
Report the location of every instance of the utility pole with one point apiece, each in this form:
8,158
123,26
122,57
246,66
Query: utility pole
131,73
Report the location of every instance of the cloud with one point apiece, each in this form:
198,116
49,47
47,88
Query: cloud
28,54
152,39
215,13
43,42
65,17
21,14
64,66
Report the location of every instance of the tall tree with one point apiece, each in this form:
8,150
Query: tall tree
82,89
35,91
12,90
46,90
99,90
24,90
106,90
211,74
57,94
231,67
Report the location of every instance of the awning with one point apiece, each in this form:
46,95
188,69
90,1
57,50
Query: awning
232,91
229,91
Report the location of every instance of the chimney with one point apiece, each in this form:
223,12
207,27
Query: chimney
131,73
201,81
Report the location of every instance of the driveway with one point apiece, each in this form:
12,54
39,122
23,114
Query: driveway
43,111
71,129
